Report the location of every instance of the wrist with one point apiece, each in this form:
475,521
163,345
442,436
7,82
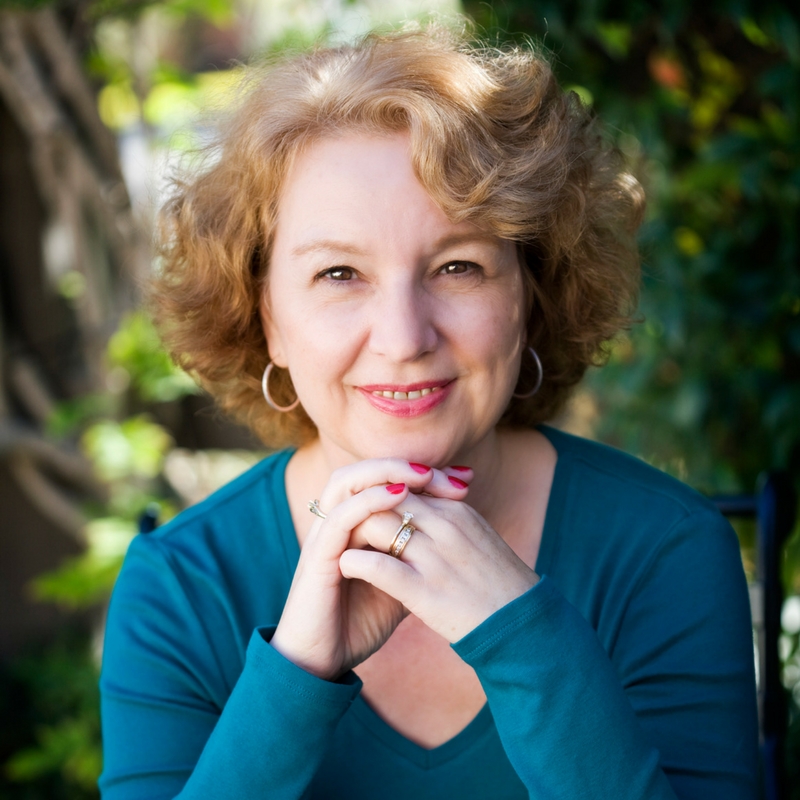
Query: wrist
300,657
495,603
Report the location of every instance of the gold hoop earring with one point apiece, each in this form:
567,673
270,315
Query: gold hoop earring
539,379
268,397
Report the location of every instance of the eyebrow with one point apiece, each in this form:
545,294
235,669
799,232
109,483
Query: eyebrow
335,246
327,246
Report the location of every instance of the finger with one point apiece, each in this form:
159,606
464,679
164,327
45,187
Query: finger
449,482
379,530
329,539
433,514
355,478
376,531
459,474
418,477
388,574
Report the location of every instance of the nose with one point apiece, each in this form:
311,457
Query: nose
402,323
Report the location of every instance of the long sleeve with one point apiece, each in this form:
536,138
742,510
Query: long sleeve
171,729
662,709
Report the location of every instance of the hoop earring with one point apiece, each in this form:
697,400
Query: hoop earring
268,397
538,385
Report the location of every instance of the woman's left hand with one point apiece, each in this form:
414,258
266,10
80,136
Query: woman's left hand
454,573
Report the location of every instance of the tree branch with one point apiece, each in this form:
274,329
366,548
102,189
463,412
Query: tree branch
71,467
68,77
47,498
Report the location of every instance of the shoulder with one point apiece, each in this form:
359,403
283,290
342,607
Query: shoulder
646,558
619,523
262,483
229,550
605,478
192,591
248,512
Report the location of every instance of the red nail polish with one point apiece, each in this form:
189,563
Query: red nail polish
461,469
395,488
457,482
421,468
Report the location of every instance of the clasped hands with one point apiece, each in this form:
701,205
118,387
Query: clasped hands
348,595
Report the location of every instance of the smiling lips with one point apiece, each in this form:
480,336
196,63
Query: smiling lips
406,401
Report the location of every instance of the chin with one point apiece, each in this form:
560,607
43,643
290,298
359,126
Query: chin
423,448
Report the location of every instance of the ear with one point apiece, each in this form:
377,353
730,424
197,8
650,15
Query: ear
275,344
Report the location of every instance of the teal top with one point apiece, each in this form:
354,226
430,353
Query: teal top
626,672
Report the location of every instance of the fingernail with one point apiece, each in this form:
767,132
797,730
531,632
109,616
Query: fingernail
421,468
457,482
462,469
396,488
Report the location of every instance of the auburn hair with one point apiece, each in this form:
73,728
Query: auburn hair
494,140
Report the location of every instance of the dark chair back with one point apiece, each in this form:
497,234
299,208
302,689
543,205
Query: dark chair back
773,506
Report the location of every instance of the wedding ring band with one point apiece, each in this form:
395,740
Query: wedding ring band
401,540
313,507
404,533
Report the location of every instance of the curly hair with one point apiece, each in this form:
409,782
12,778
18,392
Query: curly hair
494,140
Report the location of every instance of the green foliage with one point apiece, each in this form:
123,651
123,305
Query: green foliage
26,5
219,12
133,448
127,455
127,452
70,415
88,579
69,747
135,351
50,702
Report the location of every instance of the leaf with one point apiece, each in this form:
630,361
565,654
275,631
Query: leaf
70,415
80,582
71,747
136,348
135,447
88,579
615,38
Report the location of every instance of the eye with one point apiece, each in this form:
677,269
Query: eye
458,268
338,274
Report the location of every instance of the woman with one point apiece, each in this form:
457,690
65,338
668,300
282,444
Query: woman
413,249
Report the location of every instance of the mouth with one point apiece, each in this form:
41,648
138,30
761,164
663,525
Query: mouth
415,394
406,400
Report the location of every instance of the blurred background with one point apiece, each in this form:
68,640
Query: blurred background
100,99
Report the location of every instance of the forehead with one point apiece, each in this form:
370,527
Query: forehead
336,170
359,186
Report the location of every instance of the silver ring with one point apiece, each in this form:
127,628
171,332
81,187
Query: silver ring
407,517
313,507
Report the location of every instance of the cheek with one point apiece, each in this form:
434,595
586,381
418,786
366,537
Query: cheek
495,324
495,343
320,345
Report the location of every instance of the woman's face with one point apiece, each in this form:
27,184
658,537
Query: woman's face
402,330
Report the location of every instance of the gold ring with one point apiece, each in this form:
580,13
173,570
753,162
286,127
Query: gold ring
401,540
313,507
402,536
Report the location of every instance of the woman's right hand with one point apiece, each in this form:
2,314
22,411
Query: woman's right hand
331,624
